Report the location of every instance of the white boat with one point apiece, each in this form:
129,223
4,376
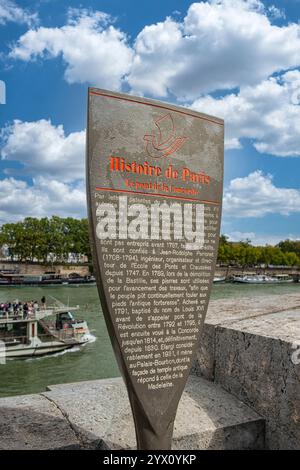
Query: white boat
219,279
43,331
284,278
261,279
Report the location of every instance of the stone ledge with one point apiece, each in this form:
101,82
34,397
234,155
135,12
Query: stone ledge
253,360
228,313
96,415
247,348
33,422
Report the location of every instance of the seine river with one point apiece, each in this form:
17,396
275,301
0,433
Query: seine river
96,359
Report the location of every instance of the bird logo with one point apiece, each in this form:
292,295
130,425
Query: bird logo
163,141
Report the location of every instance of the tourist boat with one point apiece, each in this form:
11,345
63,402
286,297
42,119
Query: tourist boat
284,278
43,331
262,279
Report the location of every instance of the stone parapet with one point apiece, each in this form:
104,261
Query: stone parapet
252,349
96,415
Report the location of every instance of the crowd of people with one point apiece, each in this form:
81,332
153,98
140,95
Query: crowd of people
23,310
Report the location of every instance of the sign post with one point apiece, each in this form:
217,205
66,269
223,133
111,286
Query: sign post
154,185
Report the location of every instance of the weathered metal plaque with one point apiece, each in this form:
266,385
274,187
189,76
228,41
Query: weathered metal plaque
154,184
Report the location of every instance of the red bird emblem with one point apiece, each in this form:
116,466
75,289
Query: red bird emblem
163,141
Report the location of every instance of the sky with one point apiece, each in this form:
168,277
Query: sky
235,59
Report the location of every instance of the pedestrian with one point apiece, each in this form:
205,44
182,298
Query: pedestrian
43,301
25,310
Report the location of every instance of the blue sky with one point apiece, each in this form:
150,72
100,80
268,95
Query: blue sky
237,59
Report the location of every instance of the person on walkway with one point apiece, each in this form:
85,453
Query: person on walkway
25,311
43,301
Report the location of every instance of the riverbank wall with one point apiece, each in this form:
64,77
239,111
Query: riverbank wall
228,272
38,269
243,391
83,269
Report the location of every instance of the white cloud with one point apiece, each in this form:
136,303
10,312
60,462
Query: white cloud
237,236
93,51
45,197
256,195
54,165
260,239
220,44
269,113
276,13
11,12
44,149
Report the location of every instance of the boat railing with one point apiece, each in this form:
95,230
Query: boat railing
17,316
62,335
66,333
47,337
34,314
14,339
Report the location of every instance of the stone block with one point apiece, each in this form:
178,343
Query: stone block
33,422
207,418
254,361
226,312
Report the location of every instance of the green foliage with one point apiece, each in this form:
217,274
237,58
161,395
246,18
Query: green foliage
46,239
286,253
289,246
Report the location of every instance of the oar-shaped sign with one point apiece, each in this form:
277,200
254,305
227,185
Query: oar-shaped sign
154,184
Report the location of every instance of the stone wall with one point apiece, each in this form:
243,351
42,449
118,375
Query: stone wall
38,269
250,349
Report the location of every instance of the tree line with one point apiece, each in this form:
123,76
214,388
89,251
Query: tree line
285,253
52,239
46,240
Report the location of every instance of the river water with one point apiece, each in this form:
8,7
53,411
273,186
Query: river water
95,360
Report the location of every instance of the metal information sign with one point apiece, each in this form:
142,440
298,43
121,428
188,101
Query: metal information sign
154,184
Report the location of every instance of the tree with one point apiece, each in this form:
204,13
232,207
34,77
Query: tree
290,246
286,253
46,239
